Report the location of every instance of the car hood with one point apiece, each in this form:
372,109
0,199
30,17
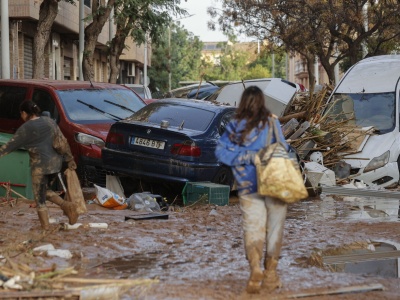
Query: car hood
371,149
98,130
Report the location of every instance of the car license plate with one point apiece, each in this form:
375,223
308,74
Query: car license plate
148,143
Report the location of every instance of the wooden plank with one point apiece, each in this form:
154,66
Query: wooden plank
341,290
105,281
303,127
38,294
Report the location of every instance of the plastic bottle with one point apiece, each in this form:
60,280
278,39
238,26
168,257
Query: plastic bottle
67,226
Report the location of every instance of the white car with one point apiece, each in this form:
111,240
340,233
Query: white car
140,89
368,96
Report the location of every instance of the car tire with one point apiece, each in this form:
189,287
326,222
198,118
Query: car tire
224,176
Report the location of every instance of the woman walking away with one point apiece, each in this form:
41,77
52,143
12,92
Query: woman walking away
47,147
262,217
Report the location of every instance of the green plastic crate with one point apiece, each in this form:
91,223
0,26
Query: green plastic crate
205,193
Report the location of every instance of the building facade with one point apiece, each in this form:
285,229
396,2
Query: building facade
62,50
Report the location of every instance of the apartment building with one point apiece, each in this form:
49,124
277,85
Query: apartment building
297,71
62,50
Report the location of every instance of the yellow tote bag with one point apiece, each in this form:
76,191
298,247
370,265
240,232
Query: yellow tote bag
278,175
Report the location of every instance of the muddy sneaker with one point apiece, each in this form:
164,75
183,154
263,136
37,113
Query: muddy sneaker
271,281
70,210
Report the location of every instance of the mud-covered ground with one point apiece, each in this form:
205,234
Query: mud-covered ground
197,253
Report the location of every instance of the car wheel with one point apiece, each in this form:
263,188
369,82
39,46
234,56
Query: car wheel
224,176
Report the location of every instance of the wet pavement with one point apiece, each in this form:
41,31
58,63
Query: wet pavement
198,253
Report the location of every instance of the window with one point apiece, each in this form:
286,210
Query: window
224,121
87,3
10,99
45,102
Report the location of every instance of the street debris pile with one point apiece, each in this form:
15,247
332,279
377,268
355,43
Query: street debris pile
319,138
19,280
24,272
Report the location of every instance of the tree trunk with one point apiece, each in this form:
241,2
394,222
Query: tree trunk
117,46
92,32
310,68
114,66
329,69
47,14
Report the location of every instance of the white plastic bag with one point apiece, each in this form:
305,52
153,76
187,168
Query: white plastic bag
108,199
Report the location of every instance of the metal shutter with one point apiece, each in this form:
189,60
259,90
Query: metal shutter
67,68
28,57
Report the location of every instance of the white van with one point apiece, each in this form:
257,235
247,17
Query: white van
368,95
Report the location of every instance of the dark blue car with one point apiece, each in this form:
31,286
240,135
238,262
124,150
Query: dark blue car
170,140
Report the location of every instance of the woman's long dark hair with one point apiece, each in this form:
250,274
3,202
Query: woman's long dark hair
30,108
252,109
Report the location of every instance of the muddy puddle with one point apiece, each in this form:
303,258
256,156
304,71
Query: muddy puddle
347,208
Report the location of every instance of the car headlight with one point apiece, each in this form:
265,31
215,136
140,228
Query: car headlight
86,139
377,162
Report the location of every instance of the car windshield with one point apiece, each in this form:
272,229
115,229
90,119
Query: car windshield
139,91
177,115
375,109
99,105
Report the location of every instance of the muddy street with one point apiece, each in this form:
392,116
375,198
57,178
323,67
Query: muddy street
198,253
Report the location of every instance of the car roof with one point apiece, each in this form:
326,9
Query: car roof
63,84
194,103
130,85
377,74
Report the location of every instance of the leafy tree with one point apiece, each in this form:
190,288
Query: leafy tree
273,59
139,19
258,71
231,65
330,30
47,14
178,54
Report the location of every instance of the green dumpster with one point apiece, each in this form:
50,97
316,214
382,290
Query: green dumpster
15,169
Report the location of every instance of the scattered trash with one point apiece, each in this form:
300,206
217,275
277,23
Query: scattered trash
108,199
213,212
318,174
66,226
98,225
53,220
147,216
44,248
143,202
60,253
113,183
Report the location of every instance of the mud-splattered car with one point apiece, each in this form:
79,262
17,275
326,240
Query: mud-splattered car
171,140
83,110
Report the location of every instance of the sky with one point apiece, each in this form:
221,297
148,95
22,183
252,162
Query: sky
197,23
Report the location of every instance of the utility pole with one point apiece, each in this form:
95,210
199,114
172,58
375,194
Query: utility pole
169,59
145,62
81,37
5,42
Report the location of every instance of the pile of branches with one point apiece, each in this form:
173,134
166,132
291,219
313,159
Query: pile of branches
333,137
